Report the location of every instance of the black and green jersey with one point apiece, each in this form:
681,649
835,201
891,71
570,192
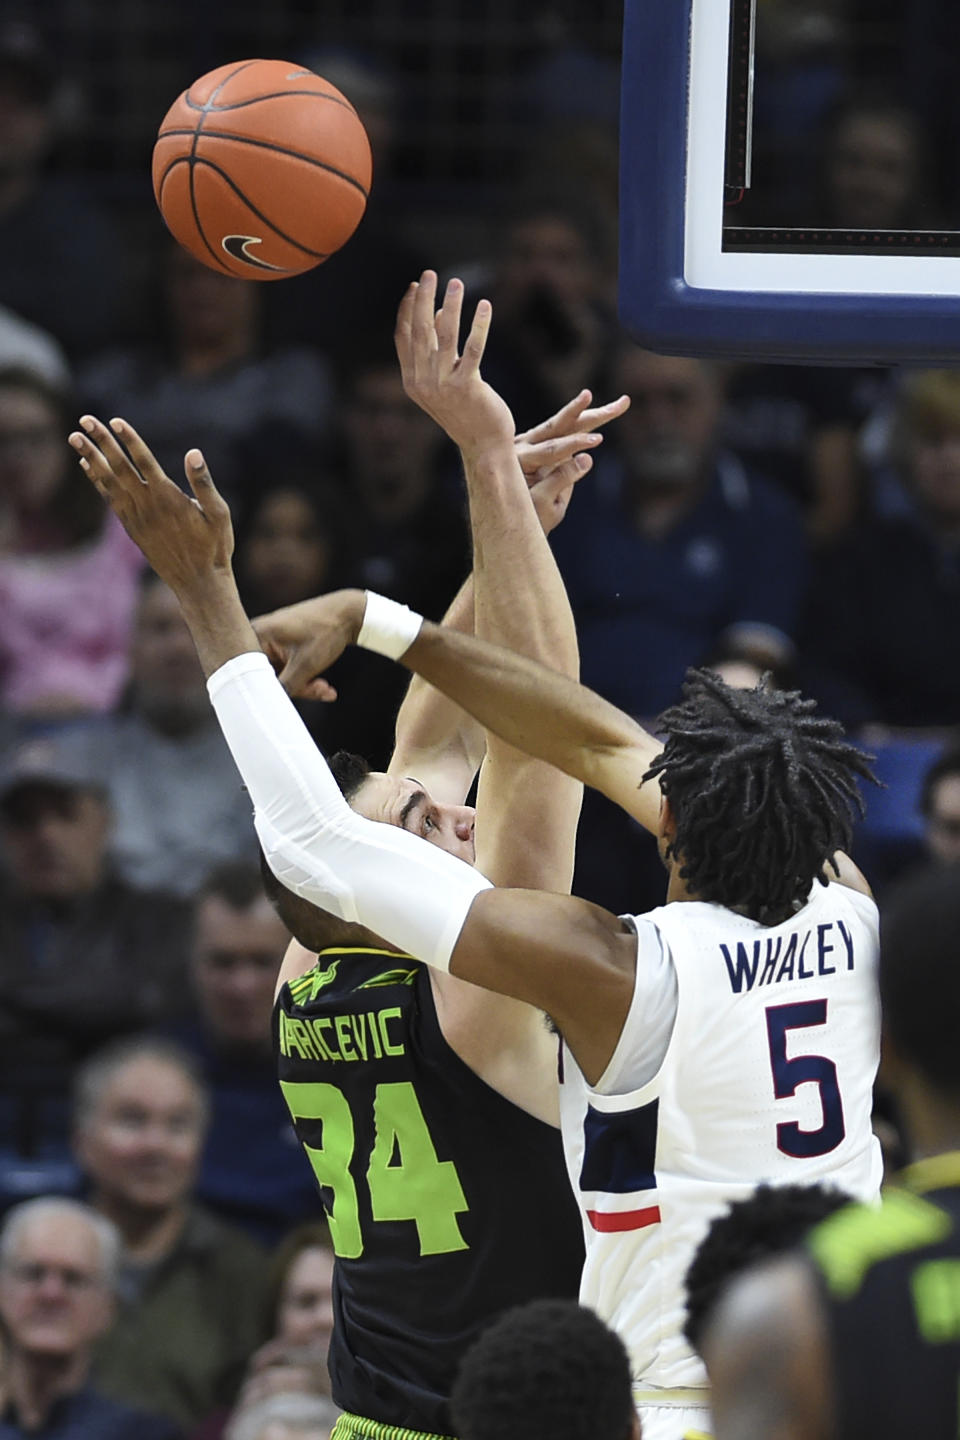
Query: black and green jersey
447,1203
890,1281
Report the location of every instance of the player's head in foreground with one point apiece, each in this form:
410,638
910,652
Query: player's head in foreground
773,1219
920,999
550,1370
760,793
404,802
392,800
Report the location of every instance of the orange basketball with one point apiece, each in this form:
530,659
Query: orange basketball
261,169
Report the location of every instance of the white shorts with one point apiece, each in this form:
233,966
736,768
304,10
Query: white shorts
674,1420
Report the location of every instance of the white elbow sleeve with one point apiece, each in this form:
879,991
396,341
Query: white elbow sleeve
397,885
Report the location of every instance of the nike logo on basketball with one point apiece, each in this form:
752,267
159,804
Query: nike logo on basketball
236,248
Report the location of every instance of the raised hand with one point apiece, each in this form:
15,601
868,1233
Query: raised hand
444,383
302,641
183,538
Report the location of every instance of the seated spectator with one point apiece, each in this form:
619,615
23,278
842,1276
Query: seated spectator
84,957
551,1370
253,1171
940,807
211,382
191,1287
57,249
286,1417
672,548
290,543
407,537
58,1272
554,327
300,1306
68,572
883,629
178,805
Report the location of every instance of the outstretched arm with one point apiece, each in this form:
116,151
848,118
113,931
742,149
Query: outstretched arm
537,710
397,885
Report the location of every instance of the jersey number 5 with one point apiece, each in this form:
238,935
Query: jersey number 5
405,1180
788,1074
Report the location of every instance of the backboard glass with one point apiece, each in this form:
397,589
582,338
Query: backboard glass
693,277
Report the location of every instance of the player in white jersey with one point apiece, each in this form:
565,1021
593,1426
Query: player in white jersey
729,1038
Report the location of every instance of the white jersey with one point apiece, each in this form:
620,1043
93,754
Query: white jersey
767,1076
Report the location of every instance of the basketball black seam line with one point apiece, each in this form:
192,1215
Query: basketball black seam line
244,65
189,160
193,198
267,145
274,95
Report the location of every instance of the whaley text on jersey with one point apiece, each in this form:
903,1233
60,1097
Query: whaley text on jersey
821,950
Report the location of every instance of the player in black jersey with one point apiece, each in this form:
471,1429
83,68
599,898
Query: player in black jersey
859,1338
428,1109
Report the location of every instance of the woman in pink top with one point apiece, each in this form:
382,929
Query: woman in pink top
68,573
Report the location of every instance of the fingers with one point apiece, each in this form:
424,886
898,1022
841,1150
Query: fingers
103,459
447,323
559,424
201,483
603,414
536,460
140,453
476,341
298,674
402,333
423,321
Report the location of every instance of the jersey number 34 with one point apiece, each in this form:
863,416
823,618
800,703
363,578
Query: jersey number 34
404,1178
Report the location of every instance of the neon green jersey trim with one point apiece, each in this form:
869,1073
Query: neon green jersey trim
354,1427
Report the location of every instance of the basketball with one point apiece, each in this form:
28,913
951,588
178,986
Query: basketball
261,169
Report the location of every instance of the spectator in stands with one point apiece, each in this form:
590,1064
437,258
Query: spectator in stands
58,1271
290,542
286,1417
178,806
212,381
874,167
191,1286
673,548
57,249
29,347
84,957
883,631
554,328
940,807
68,573
408,537
300,1307
675,554
550,1370
252,1171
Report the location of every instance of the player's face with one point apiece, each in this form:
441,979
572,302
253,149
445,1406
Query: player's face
405,803
236,961
53,1300
943,822
306,1309
140,1145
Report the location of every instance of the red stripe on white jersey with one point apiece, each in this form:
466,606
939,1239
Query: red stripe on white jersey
607,1221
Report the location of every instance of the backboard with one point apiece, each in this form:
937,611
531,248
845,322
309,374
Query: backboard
695,281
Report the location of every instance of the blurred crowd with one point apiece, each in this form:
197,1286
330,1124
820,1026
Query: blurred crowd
756,518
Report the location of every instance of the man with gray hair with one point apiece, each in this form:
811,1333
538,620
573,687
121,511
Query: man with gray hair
191,1286
58,1269
286,1417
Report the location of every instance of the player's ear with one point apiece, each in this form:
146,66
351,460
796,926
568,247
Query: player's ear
666,823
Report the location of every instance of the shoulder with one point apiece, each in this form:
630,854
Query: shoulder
845,1247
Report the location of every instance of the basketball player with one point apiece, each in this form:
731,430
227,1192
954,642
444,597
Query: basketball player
860,1337
430,1245
726,1038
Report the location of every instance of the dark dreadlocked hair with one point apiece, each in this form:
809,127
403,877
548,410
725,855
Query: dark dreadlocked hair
763,793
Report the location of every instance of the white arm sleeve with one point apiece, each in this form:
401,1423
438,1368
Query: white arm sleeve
397,885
